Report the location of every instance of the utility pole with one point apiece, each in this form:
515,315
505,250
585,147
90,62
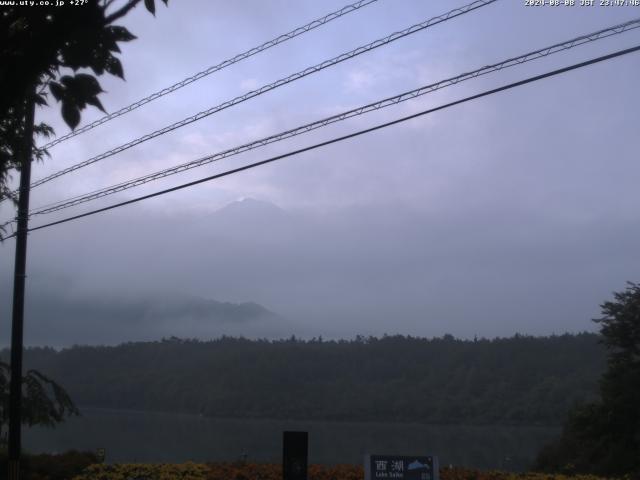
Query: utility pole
17,322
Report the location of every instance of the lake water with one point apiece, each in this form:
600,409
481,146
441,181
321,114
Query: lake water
163,437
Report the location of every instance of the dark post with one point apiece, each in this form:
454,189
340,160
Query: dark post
295,447
15,395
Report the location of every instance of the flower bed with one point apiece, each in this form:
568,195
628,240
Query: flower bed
257,471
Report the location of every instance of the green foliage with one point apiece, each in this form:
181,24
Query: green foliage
44,402
50,49
75,93
52,467
604,437
520,380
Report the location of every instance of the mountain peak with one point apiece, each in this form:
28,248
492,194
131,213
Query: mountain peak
252,205
251,213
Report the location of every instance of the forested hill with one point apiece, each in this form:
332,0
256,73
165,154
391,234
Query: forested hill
521,380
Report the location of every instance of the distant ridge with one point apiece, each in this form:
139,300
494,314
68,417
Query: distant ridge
519,380
202,308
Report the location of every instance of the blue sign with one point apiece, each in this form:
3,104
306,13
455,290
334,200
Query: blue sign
400,467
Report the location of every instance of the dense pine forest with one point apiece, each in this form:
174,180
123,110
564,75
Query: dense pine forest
518,380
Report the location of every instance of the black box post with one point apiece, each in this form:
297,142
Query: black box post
295,454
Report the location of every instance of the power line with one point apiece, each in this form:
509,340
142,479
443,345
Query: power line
558,47
345,137
266,88
215,68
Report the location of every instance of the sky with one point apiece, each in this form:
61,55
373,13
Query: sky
514,213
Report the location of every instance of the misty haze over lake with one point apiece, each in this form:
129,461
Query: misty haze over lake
257,270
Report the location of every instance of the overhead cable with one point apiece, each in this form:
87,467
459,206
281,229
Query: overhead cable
271,86
345,137
215,68
527,57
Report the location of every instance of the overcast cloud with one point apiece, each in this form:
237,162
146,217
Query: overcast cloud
513,213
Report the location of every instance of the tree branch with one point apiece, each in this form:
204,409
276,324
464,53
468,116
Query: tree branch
122,11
